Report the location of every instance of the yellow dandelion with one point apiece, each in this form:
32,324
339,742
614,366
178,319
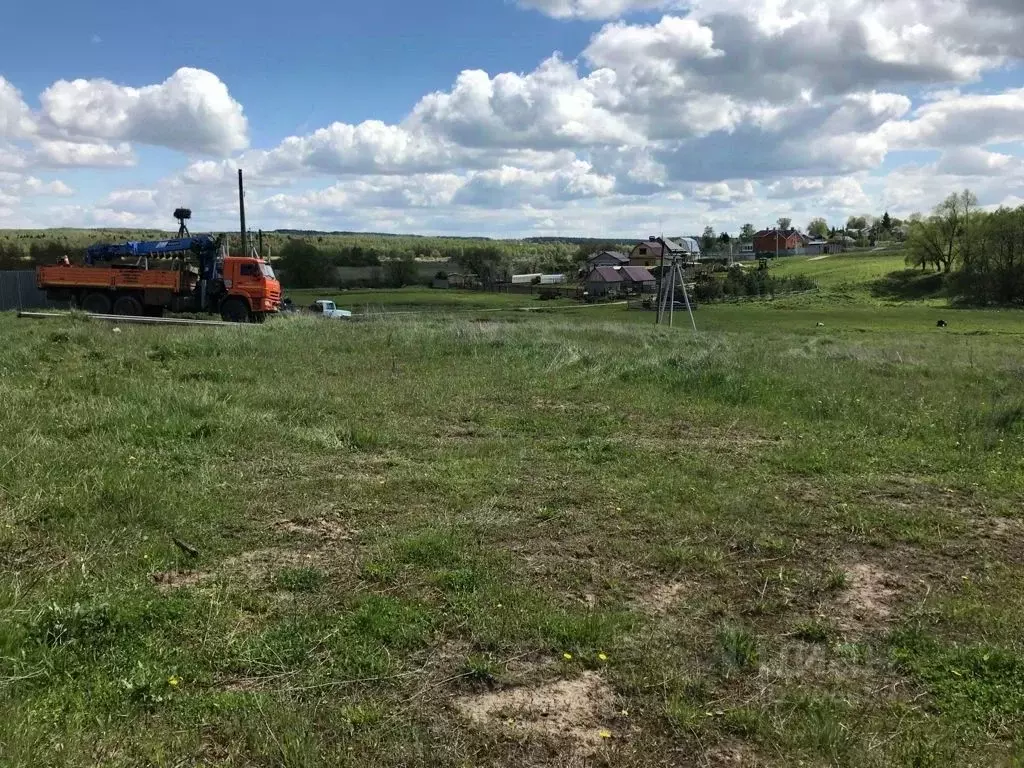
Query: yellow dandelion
604,734
173,681
602,656
567,656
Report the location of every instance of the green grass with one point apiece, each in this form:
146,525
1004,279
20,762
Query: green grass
769,539
841,270
419,300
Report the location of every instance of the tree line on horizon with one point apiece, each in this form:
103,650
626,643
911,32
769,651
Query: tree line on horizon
979,254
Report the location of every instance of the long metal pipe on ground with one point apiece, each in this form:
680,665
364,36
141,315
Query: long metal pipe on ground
137,320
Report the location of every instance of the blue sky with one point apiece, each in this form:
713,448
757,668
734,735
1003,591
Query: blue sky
458,117
318,62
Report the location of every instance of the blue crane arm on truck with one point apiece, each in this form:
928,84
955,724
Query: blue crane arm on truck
205,247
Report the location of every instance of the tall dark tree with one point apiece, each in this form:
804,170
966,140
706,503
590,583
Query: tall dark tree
747,233
303,265
707,240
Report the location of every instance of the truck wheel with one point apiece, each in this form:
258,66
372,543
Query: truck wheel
127,305
96,303
234,311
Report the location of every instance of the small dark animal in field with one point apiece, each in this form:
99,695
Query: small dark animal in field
821,325
940,324
185,547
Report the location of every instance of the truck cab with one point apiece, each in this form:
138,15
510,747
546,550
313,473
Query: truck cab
327,308
251,281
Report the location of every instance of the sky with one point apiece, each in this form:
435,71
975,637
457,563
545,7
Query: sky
507,118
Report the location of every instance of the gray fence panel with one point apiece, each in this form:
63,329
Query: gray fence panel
18,291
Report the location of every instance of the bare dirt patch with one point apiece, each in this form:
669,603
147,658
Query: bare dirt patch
170,580
902,492
729,756
999,527
571,710
322,529
661,598
868,598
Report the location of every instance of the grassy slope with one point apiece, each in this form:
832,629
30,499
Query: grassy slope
789,545
843,270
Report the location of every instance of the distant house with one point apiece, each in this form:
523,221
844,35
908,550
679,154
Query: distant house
785,242
604,281
746,251
648,253
815,247
840,244
637,279
606,259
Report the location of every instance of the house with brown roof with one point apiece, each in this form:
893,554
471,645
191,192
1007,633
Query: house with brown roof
649,252
637,280
604,281
785,242
606,259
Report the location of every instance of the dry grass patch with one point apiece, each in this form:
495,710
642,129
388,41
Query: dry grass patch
577,711
170,580
321,529
867,601
729,756
661,598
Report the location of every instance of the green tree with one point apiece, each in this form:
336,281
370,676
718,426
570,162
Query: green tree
303,265
785,223
488,262
401,272
588,249
747,233
707,240
886,222
993,270
818,228
856,224
946,236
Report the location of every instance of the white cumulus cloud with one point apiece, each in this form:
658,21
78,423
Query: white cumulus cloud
16,120
191,111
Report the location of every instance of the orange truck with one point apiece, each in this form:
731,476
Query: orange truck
184,274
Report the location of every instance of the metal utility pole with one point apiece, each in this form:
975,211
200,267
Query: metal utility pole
667,288
241,211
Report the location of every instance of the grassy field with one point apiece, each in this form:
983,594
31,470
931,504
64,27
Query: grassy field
853,270
516,538
420,300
